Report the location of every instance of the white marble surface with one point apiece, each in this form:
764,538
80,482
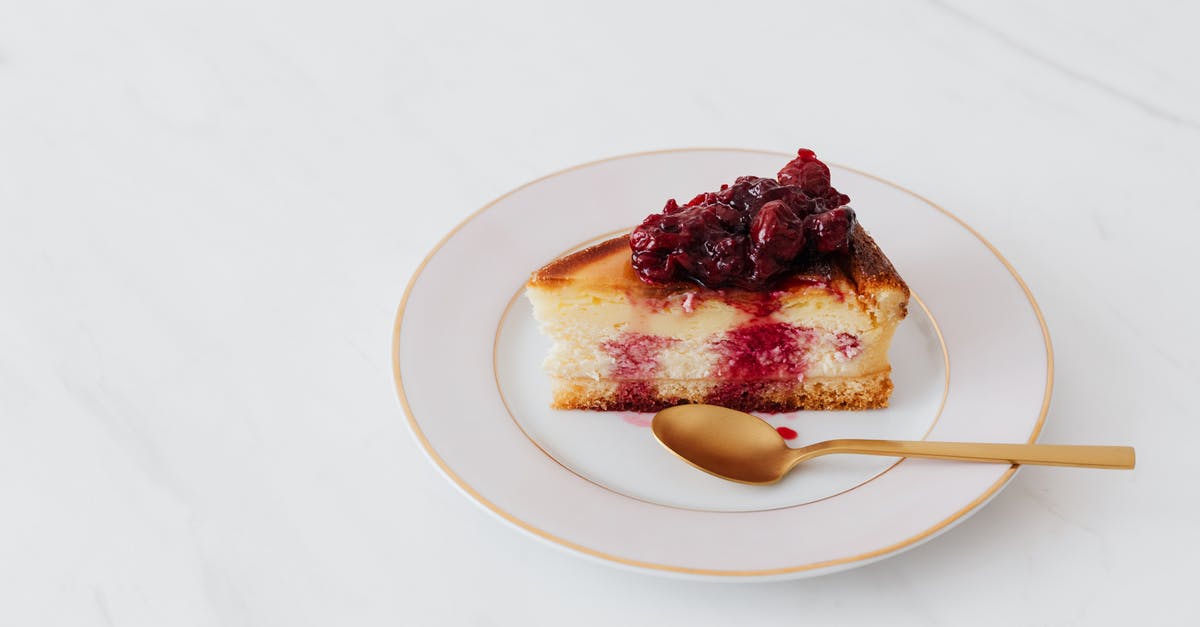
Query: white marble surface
208,211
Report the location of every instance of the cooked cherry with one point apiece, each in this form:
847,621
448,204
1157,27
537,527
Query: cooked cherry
746,234
830,230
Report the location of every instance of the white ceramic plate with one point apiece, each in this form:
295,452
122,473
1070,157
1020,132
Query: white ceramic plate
971,363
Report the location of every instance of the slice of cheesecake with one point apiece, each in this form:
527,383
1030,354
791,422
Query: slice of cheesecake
712,303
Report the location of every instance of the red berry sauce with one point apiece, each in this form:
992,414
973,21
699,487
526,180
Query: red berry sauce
788,434
773,350
637,419
752,396
747,234
636,354
848,345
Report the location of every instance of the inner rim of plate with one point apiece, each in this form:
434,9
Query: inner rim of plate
616,451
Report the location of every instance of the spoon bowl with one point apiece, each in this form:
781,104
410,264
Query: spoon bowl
739,447
722,442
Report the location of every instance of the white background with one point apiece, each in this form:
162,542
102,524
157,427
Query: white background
209,210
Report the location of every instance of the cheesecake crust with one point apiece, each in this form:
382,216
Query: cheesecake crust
850,393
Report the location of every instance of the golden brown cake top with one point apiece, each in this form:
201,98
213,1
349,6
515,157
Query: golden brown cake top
607,266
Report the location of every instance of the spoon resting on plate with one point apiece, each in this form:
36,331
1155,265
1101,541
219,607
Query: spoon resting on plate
739,447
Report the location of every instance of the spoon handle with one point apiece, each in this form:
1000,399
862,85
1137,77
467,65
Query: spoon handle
1041,454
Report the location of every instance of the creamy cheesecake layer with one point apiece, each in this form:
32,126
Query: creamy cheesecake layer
842,336
584,357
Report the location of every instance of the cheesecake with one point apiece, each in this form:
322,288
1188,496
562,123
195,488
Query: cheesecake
766,295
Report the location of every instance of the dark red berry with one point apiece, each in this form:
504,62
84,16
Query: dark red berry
776,239
829,231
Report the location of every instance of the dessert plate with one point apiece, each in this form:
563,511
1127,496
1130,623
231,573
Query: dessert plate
972,362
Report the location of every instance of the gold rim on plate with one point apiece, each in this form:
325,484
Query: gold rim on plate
912,540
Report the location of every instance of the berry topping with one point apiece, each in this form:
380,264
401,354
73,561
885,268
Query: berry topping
747,234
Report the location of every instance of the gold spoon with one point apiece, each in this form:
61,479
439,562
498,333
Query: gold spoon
739,447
